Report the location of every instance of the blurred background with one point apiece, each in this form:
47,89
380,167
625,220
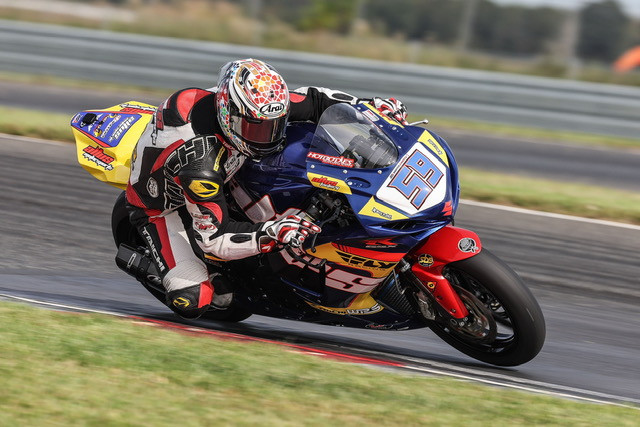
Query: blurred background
579,39
506,62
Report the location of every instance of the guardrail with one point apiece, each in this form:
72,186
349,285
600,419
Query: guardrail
468,94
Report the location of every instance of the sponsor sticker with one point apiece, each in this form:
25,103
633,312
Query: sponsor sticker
154,251
152,188
467,244
181,302
325,182
358,261
332,160
349,311
137,109
384,215
98,156
122,128
204,188
379,243
371,115
425,260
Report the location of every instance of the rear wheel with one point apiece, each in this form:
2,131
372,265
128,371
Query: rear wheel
505,326
231,314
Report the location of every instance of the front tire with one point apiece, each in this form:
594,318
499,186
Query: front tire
492,290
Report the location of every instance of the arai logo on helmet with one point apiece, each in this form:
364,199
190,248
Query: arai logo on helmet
272,109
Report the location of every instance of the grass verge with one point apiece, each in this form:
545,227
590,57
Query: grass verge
69,369
533,193
37,124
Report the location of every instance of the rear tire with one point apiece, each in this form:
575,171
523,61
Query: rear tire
520,323
231,314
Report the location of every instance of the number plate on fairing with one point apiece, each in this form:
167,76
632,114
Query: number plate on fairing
418,182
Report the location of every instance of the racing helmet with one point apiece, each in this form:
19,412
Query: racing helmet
252,106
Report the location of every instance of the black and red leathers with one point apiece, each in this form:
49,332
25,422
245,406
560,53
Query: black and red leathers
175,192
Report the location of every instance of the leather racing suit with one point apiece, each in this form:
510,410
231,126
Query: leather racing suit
175,192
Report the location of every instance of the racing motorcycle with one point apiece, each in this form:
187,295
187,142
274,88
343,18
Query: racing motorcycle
388,256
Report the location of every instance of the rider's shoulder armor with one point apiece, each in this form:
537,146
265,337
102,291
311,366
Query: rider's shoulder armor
184,106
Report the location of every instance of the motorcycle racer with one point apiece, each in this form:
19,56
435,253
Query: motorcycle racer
196,142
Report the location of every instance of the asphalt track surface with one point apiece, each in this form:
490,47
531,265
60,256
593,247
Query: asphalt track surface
57,247
594,166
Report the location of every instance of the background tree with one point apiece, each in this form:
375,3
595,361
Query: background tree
603,31
515,29
331,15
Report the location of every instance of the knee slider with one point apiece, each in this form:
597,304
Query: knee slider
191,302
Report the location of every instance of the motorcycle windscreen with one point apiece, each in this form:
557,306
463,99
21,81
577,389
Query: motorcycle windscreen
348,138
105,139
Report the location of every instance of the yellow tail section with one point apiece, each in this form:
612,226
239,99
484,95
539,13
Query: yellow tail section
105,139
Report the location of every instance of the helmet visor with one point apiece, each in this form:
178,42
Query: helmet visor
258,133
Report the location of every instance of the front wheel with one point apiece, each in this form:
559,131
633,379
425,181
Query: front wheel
506,326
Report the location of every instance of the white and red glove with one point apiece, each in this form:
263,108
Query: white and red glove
391,108
291,231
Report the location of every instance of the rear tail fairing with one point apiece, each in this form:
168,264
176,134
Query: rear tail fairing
106,138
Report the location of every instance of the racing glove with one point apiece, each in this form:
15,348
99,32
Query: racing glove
391,108
291,231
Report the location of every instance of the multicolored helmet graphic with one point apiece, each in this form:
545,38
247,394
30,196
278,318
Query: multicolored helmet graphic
253,105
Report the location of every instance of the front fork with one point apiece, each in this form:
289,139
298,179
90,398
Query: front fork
425,263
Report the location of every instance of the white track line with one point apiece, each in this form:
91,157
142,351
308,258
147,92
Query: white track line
526,382
529,385
68,307
523,387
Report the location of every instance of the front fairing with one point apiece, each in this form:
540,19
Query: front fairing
414,195
385,219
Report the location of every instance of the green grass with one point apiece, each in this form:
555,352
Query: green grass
561,197
64,82
37,124
70,369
